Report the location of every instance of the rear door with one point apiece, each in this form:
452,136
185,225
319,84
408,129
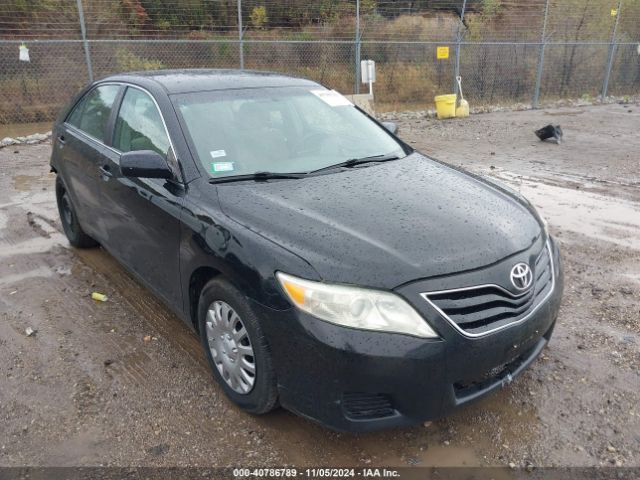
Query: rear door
81,143
142,215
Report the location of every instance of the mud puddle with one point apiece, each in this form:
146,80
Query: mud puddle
574,209
23,129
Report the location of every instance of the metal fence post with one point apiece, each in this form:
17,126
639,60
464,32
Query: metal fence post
612,51
240,35
543,45
456,72
85,42
356,87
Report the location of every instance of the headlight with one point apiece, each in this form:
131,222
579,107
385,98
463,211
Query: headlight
355,307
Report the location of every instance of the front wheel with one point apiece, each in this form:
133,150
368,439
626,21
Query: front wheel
70,224
236,347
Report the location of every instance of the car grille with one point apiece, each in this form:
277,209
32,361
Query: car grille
482,309
361,406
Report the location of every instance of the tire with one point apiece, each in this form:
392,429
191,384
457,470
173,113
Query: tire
262,395
70,224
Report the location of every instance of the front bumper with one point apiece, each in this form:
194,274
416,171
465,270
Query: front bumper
356,380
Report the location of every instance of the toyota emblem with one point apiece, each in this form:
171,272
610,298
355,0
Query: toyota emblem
521,276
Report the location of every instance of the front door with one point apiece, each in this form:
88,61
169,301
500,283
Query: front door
142,215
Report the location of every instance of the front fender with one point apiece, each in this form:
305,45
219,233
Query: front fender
211,239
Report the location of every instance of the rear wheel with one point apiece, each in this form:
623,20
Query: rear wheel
236,347
70,224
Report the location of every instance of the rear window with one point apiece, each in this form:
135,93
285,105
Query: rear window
91,114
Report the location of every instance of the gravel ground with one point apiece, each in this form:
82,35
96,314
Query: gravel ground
124,382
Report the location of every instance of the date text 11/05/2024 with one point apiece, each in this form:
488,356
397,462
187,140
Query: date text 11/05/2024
316,473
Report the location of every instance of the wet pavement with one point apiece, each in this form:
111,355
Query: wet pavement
23,129
124,382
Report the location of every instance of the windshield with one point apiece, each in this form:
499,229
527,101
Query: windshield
279,130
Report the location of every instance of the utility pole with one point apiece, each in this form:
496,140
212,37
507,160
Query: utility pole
612,51
85,42
240,35
543,45
357,49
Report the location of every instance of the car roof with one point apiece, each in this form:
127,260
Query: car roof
197,80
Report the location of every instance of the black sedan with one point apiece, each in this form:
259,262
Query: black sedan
326,265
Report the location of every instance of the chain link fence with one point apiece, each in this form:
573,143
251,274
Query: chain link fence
507,51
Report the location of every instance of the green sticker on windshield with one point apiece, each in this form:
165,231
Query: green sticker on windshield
218,167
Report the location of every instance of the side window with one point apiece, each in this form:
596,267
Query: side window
74,117
139,125
91,114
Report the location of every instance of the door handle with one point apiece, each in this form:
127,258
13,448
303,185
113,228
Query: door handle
61,140
105,172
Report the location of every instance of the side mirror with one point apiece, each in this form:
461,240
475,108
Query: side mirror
391,126
144,164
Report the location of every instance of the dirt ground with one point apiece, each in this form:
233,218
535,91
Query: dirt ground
87,389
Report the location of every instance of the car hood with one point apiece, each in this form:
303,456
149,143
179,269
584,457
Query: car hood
386,224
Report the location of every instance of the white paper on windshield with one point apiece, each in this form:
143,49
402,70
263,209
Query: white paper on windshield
218,153
331,98
222,167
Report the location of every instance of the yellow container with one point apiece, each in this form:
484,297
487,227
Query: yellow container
446,106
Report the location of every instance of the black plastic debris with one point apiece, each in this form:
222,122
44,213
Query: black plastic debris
553,132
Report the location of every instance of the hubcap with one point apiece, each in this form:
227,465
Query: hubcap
230,347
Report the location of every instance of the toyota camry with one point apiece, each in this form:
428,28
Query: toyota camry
326,265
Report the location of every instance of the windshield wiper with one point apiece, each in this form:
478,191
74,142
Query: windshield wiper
357,161
257,177
263,176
